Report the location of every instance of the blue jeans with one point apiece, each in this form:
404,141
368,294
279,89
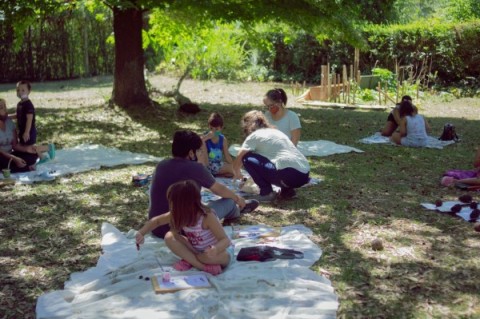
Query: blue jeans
265,174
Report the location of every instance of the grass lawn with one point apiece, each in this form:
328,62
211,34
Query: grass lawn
429,267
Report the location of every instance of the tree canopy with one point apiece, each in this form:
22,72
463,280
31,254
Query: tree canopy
332,19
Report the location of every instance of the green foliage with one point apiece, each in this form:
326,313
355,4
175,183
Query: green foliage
49,45
209,51
386,77
464,10
429,50
367,95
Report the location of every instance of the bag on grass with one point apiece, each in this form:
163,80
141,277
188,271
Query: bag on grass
449,133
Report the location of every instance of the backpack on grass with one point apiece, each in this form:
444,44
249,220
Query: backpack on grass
449,133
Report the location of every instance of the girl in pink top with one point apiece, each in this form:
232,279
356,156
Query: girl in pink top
196,235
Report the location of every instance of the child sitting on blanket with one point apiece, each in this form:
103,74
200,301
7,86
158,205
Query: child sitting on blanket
393,119
196,235
469,177
413,127
215,151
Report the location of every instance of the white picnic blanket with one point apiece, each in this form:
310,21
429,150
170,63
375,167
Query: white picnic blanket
81,158
113,289
377,138
312,148
447,207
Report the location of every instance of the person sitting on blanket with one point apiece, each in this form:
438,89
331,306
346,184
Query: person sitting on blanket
413,127
13,155
186,148
270,158
196,235
280,117
215,151
393,119
468,177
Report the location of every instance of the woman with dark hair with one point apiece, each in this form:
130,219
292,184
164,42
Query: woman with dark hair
19,158
270,158
393,119
413,127
279,116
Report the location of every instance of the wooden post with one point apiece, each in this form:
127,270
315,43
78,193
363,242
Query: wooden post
348,91
344,82
379,90
357,62
339,87
334,82
329,83
397,79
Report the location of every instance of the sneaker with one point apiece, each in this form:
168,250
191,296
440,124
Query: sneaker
287,193
250,206
51,151
266,198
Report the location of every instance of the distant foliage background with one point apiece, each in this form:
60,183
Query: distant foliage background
441,41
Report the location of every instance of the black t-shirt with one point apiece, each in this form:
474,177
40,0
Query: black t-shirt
24,108
168,172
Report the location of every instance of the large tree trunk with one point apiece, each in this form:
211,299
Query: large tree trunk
129,89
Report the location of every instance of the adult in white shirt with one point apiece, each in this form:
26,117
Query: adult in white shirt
270,158
279,116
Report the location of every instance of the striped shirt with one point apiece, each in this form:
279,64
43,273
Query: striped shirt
200,238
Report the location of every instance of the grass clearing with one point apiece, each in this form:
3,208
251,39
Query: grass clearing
429,267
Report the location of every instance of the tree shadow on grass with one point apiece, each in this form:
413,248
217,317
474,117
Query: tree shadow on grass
373,194
377,189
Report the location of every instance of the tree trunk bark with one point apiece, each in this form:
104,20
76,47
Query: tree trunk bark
129,89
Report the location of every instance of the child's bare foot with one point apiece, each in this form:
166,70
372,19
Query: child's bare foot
182,265
213,269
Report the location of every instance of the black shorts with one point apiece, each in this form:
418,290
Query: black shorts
390,118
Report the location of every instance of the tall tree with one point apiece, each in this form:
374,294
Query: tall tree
336,19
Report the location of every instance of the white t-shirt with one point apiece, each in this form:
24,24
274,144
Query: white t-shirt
278,148
289,122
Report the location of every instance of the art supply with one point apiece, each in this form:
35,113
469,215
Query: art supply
166,277
176,283
6,173
138,246
160,264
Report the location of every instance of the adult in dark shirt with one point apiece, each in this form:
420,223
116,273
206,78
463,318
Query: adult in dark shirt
186,148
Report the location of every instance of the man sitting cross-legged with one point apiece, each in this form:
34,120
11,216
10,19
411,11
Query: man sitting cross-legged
186,148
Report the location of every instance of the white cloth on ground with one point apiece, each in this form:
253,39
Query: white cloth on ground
377,138
312,148
446,207
284,288
81,158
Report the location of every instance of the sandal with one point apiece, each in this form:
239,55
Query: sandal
182,265
213,269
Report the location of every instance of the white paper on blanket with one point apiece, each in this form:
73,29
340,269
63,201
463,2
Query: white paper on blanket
113,289
82,158
447,207
311,148
377,138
